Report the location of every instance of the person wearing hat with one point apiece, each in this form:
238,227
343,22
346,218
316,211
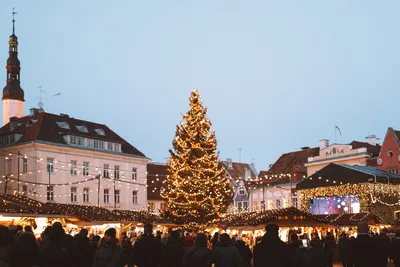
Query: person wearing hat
364,248
109,253
271,251
148,251
244,251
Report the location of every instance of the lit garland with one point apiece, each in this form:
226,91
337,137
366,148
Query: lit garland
197,186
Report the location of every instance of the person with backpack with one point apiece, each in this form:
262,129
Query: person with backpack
109,252
198,255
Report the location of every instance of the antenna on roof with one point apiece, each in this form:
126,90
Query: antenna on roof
240,155
40,104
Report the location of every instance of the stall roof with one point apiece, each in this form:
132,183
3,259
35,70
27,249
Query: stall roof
281,217
350,219
16,204
334,174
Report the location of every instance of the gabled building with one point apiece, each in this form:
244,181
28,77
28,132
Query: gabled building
276,187
57,158
156,175
389,156
356,153
239,173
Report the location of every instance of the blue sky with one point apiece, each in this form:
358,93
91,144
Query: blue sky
275,75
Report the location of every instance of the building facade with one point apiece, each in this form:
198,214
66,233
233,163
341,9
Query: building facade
389,156
156,175
56,158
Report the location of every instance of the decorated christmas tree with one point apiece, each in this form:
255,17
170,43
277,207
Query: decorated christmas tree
197,186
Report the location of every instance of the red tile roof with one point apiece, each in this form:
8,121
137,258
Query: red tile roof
374,150
293,160
156,175
45,128
238,170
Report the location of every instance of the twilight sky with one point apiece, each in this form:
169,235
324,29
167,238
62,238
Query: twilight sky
275,75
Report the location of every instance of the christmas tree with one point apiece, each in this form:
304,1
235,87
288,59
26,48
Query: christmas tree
197,186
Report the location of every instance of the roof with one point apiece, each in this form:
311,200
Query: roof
156,175
371,149
293,160
238,170
350,219
43,127
334,174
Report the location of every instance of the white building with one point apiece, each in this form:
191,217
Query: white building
56,158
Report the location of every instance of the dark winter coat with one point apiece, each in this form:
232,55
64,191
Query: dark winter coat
24,252
188,243
244,252
4,259
149,252
108,255
55,255
271,252
197,256
174,252
292,248
383,243
395,251
330,245
226,256
314,257
364,251
83,251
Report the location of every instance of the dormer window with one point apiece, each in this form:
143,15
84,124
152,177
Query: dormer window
63,124
100,132
31,122
82,128
390,153
241,191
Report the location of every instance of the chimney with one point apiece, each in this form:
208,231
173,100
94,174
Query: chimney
323,144
371,139
167,160
270,166
33,111
229,164
13,123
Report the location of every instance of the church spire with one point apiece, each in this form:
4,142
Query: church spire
13,95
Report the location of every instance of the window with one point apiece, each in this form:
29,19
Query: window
82,128
31,122
110,146
74,195
245,205
24,165
106,172
101,144
116,172
63,124
50,193
278,203
294,202
50,165
100,132
85,195
72,140
134,174
241,190
134,197
151,207
24,189
106,196
96,144
239,206
9,165
81,141
85,171
393,171
163,206
255,206
116,196
73,167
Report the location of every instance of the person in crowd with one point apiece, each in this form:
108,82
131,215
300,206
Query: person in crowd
149,251
83,249
67,241
330,248
215,241
109,253
395,249
383,241
188,242
198,255
94,244
127,250
14,231
244,251
174,251
6,239
343,244
271,251
53,251
28,228
24,252
226,255
158,235
315,256
364,248
294,244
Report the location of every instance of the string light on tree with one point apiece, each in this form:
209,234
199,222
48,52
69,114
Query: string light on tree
197,186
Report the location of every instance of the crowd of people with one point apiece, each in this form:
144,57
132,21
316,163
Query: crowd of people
20,248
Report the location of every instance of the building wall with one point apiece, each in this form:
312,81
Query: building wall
390,162
155,206
12,108
361,161
37,155
270,195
